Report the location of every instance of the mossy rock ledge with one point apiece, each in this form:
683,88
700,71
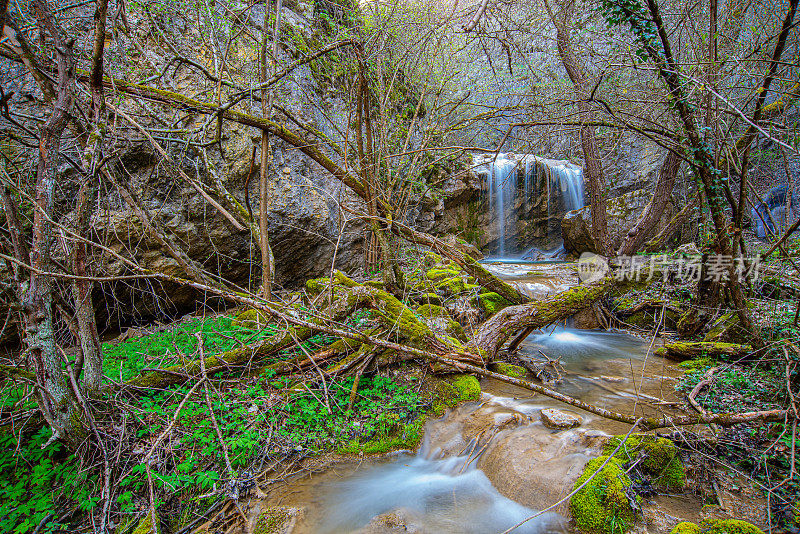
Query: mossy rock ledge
717,526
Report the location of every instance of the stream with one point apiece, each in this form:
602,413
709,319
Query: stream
488,465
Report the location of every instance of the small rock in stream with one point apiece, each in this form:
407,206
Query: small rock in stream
559,420
612,379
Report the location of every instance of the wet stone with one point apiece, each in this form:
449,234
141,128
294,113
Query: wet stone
558,419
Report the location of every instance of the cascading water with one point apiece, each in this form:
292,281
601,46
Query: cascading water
502,187
525,195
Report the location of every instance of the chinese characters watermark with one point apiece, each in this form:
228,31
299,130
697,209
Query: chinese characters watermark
691,268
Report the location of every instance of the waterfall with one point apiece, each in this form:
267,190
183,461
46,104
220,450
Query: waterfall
527,195
502,187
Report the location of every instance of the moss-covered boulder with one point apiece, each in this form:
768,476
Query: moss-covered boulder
686,528
440,273
492,302
454,286
448,391
659,457
717,526
430,298
508,369
251,320
602,506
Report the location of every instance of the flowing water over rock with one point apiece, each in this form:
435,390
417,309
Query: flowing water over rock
526,197
535,279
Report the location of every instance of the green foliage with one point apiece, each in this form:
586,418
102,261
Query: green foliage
125,360
37,482
631,14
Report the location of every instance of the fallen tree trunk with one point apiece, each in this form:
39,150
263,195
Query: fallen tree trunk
504,324
687,350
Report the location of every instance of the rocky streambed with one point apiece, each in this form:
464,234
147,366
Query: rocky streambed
501,462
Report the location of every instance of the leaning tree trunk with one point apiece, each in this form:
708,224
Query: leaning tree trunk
662,192
494,333
593,167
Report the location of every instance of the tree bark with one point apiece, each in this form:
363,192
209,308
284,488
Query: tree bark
662,192
266,150
506,323
592,166
55,398
93,156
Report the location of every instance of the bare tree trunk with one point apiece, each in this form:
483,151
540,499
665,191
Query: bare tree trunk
703,160
662,192
267,263
82,288
593,167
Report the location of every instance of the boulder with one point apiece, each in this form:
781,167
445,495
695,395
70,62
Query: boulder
622,213
560,419
278,520
535,467
401,521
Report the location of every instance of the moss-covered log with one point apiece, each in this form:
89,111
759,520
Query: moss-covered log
681,351
507,322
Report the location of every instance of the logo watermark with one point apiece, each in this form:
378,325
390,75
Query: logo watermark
691,267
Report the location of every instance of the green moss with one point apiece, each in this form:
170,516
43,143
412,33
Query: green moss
450,391
467,387
717,526
659,457
602,507
698,363
431,310
492,302
686,528
145,526
729,526
251,320
316,286
431,298
509,369
442,273
271,520
453,286
374,283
